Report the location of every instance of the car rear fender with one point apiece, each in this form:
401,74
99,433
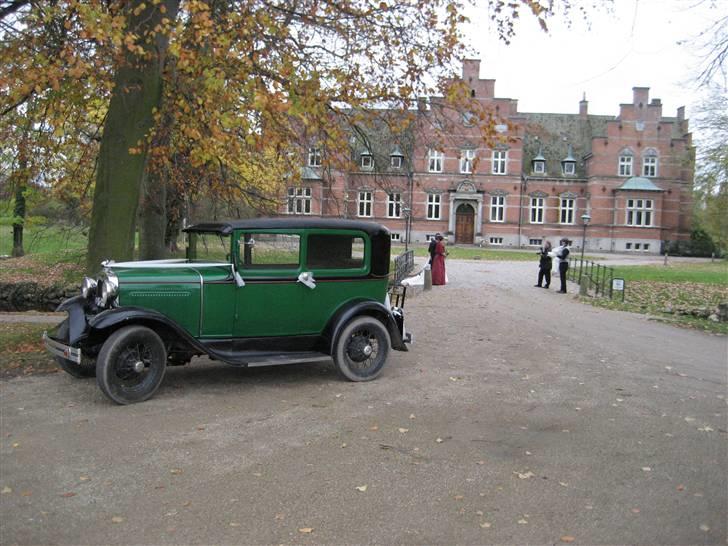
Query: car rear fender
359,308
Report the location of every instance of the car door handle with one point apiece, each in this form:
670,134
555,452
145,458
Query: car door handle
306,277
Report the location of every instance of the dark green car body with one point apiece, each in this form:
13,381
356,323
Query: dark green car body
259,291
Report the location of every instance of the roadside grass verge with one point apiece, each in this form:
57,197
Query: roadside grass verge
684,294
474,253
22,351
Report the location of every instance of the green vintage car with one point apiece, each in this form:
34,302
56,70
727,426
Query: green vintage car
250,293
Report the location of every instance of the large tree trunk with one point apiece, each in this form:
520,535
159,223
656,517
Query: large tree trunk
137,91
153,218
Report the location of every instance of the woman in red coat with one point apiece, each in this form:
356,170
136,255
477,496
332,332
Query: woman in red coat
438,262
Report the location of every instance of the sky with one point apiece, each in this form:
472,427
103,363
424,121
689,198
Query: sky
641,43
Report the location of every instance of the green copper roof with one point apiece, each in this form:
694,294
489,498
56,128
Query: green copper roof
639,183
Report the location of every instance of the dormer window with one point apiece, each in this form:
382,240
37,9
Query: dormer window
367,162
314,157
538,164
396,158
568,164
468,119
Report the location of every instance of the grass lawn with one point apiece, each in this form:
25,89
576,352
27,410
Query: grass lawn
22,351
679,293
474,253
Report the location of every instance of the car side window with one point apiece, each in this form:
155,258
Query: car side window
335,252
269,250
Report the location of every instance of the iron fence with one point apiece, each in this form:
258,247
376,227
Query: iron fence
403,264
598,277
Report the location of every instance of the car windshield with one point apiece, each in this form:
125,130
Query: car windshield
208,247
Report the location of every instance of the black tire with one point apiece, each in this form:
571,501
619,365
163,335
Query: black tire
86,369
360,336
131,365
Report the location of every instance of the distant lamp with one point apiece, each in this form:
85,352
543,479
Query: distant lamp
585,219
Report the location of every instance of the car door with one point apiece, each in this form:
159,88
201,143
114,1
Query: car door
270,302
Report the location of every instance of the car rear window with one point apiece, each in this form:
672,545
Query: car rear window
335,252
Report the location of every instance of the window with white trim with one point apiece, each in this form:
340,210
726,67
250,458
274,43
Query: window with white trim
646,247
535,242
299,200
637,246
625,164
365,203
500,158
434,200
367,162
394,205
539,167
628,246
395,161
496,240
566,212
649,165
497,208
537,204
639,212
569,168
396,237
466,161
435,161
314,157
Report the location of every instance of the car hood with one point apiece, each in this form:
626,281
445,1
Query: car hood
162,271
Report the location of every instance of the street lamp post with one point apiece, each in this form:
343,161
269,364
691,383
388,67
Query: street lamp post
585,218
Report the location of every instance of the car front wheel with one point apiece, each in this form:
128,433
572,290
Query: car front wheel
362,349
131,365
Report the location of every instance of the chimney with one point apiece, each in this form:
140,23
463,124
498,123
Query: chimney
681,114
641,95
471,70
583,107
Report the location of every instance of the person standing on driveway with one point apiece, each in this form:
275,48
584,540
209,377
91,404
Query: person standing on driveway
544,265
561,253
438,262
431,248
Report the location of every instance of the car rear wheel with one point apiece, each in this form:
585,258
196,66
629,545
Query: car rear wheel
87,367
361,349
131,365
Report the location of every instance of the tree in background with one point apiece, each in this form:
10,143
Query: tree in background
215,97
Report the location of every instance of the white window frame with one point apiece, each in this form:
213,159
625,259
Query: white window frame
435,161
496,241
395,237
394,205
314,157
567,208
499,162
640,212
537,210
299,200
532,241
649,165
646,247
397,164
498,208
367,162
569,168
539,167
626,162
365,203
434,206
467,159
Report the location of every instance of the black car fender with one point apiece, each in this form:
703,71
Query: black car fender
74,327
359,308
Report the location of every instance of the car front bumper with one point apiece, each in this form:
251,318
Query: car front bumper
56,348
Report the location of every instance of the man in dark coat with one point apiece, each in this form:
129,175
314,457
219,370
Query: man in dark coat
431,248
544,265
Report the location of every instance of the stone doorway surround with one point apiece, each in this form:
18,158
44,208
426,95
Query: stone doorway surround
466,193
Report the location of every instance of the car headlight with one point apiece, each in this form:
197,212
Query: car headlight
108,288
88,287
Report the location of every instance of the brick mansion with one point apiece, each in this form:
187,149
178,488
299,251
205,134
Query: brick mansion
631,174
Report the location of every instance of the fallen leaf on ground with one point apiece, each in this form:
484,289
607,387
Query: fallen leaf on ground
439,440
361,488
567,538
412,415
6,490
343,445
563,484
403,430
117,519
522,521
525,476
176,471
690,419
234,524
485,525
374,428
16,444
84,478
480,462
26,493
646,469
635,510
705,428
704,527
479,512
680,487
306,530
458,497
69,494
280,516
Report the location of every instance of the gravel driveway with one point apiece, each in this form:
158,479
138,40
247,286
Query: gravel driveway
519,416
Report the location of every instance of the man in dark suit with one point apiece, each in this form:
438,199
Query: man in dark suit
431,248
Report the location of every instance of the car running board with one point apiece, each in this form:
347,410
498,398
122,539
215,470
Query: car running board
254,360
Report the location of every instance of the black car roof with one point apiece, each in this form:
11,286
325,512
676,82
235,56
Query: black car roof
227,227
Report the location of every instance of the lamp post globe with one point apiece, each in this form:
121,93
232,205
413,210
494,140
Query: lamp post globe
585,219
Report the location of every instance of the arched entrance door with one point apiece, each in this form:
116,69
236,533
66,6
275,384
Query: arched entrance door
464,224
